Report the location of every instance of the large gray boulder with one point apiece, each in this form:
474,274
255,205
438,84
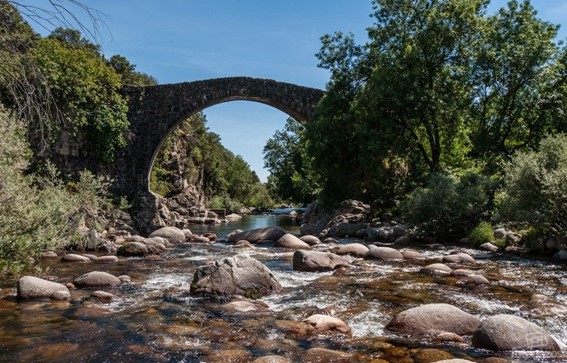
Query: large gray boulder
313,261
97,279
436,317
383,253
258,234
509,332
288,240
237,275
30,287
172,234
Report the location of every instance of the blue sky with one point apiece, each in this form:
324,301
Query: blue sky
187,40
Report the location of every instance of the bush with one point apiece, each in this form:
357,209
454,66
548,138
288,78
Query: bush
534,193
36,211
482,233
449,206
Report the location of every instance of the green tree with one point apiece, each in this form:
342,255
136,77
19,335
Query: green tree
85,91
285,156
393,112
128,72
519,79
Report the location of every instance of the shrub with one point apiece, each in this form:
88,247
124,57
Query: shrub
449,206
534,193
36,211
482,233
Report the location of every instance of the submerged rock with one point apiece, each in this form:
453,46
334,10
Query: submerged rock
509,332
237,275
326,355
271,359
313,261
437,317
258,234
30,287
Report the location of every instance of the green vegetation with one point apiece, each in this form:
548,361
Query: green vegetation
450,206
37,212
63,83
534,193
439,87
441,106
291,173
224,179
481,234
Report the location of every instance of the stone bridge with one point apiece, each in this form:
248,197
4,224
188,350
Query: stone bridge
155,111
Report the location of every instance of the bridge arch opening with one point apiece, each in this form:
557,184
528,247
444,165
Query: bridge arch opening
243,125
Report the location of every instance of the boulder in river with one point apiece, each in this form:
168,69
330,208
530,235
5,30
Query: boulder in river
436,269
73,257
97,279
314,261
258,234
288,240
326,323
459,258
172,234
435,317
310,239
353,249
133,249
384,253
237,275
510,332
30,287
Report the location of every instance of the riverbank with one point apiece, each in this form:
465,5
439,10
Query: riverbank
155,317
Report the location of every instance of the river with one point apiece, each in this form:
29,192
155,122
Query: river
156,319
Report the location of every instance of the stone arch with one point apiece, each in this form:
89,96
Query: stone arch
155,111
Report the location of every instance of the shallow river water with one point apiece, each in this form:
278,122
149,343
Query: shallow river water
156,319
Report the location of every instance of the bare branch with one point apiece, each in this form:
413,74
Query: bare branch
65,14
